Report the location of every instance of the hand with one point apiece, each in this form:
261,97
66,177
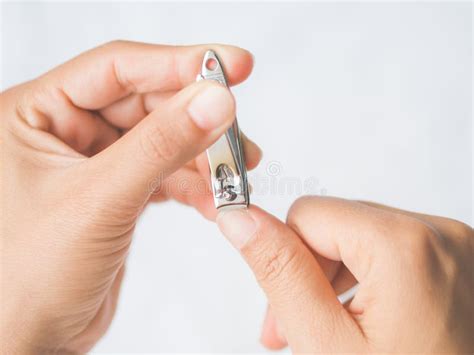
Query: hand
415,275
83,148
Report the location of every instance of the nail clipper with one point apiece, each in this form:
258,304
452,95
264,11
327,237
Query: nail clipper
226,156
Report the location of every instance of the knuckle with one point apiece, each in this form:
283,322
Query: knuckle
274,264
461,230
420,237
419,246
459,245
161,144
432,257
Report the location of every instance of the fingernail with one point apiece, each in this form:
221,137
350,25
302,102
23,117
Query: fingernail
238,226
255,147
212,108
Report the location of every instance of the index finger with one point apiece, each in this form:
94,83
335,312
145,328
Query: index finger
364,238
112,71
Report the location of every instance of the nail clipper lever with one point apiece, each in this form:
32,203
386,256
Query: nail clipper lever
226,157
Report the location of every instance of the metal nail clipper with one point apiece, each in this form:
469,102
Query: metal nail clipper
226,156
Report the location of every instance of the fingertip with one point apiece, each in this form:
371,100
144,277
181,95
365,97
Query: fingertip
270,337
207,209
271,342
242,67
238,62
253,153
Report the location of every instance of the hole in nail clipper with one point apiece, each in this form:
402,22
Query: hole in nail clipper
211,64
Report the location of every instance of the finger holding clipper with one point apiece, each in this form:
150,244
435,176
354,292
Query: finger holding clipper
167,138
296,287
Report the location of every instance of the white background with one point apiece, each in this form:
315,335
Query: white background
372,100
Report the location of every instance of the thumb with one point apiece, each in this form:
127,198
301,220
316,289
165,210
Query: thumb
297,289
165,140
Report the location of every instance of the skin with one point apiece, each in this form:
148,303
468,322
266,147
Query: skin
88,145
85,148
415,275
